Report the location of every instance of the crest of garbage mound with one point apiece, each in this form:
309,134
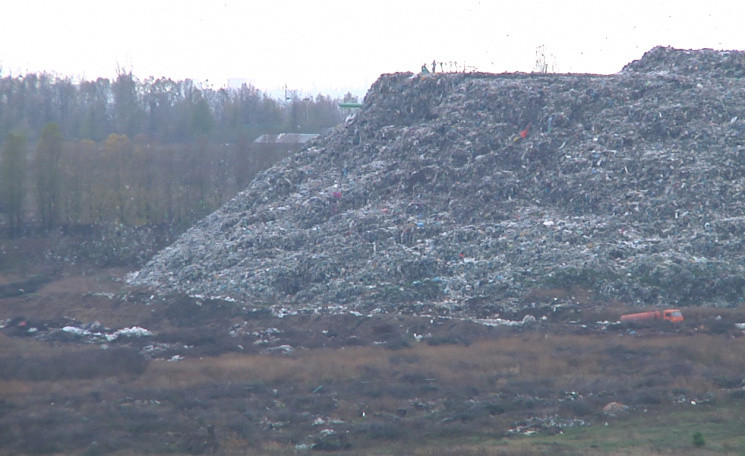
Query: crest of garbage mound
479,194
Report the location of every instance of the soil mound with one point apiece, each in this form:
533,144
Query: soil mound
479,194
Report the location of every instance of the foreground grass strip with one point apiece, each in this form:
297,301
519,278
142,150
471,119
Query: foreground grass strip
666,431
428,400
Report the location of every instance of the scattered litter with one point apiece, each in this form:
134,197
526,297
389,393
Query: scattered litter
614,409
527,320
134,331
548,424
93,332
280,349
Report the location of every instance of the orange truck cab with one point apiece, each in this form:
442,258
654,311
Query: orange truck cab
671,315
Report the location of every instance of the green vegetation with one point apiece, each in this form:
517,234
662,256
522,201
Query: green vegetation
697,439
671,430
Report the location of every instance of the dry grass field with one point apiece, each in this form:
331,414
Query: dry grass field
215,380
513,394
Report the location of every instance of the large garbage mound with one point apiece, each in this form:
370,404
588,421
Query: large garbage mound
707,62
481,194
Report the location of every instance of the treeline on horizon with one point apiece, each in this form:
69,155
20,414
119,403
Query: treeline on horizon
136,152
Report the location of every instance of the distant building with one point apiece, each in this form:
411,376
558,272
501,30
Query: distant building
290,139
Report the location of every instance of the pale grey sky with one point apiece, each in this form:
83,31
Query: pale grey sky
339,45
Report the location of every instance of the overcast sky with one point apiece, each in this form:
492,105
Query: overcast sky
329,46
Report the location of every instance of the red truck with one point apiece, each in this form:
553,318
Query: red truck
671,315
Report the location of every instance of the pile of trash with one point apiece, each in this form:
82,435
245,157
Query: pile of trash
67,329
548,425
465,194
107,245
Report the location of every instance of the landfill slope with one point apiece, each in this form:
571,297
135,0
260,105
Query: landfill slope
482,194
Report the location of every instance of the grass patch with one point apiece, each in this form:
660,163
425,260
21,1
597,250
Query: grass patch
78,364
670,431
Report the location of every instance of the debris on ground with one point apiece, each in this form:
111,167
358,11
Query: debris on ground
615,409
69,329
545,425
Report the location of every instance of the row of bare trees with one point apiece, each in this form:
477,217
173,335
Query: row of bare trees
136,152
121,180
166,111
